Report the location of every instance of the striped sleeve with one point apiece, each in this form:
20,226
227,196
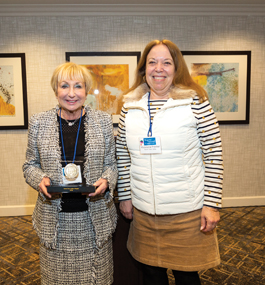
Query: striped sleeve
123,160
209,135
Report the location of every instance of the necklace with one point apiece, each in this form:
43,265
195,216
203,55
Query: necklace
70,124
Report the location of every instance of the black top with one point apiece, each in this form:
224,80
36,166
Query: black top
73,202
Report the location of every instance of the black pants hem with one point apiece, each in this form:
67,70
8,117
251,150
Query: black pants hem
158,276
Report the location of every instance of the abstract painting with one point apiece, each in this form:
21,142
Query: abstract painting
226,78
110,81
7,99
112,72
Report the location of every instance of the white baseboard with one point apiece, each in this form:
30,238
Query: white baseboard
22,210
25,210
244,201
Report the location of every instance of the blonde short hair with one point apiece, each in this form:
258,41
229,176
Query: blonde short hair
71,71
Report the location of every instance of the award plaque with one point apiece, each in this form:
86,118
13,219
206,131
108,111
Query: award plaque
71,189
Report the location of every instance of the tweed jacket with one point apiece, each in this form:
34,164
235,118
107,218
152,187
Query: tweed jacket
43,159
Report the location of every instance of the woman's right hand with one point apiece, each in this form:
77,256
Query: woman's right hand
126,209
42,186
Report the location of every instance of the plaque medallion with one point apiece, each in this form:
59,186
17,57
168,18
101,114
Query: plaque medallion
71,171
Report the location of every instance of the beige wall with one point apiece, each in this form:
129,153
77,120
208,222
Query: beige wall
45,41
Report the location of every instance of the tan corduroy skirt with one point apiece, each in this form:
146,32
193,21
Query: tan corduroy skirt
172,241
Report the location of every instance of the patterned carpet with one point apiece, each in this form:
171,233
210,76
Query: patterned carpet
241,235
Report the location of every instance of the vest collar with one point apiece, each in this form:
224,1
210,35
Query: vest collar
175,93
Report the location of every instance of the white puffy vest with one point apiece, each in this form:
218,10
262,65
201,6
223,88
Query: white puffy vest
171,182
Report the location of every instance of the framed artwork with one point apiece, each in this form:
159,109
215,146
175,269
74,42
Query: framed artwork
13,92
113,73
225,75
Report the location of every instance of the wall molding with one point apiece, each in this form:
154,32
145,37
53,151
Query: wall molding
8,10
25,210
22,210
243,201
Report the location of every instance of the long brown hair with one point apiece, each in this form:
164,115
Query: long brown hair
182,78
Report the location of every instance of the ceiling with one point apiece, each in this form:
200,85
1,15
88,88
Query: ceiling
134,2
131,7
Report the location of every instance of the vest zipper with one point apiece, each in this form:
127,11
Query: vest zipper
152,180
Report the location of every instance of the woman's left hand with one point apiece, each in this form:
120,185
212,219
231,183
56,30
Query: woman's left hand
102,184
209,219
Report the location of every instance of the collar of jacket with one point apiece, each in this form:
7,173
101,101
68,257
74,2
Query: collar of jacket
175,93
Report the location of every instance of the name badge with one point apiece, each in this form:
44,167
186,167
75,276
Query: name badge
150,145
78,179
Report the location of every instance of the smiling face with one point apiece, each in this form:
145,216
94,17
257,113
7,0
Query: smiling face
160,70
71,95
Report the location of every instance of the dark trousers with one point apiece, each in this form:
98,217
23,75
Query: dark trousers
158,276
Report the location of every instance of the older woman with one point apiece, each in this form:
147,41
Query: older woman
73,144
169,158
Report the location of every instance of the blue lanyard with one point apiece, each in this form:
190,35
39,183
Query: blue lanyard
76,136
149,133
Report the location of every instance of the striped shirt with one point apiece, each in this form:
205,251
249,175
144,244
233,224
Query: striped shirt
209,136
